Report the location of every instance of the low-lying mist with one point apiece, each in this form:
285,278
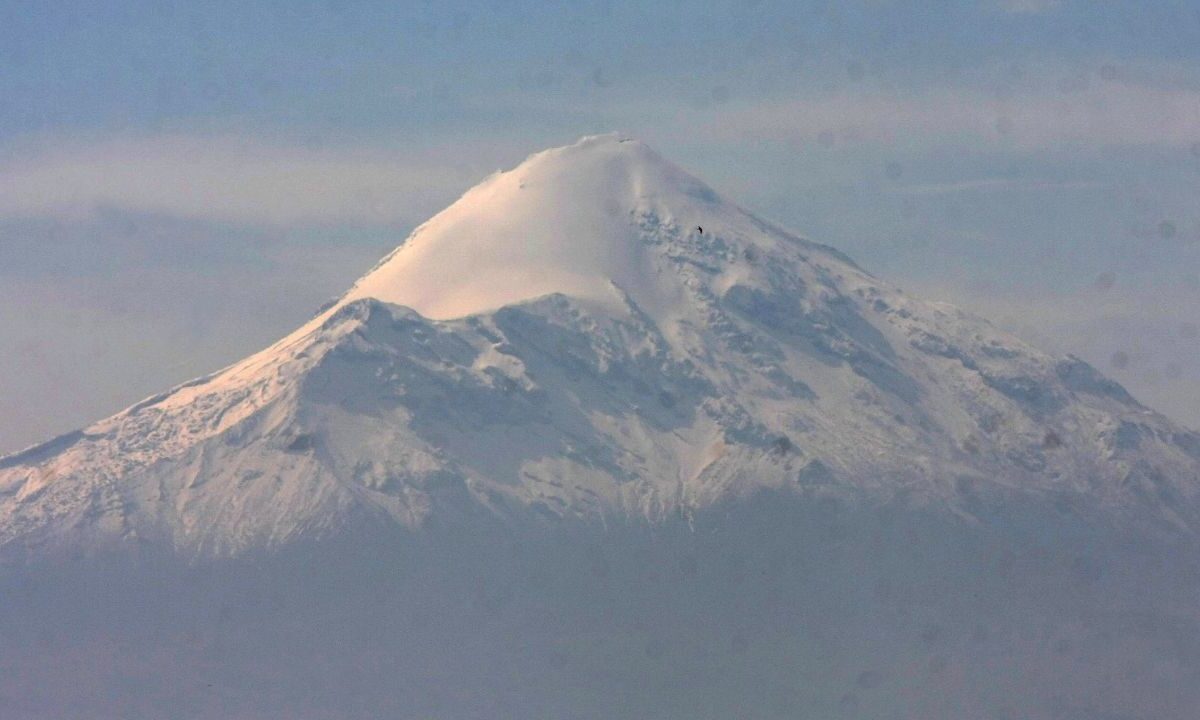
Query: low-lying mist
777,607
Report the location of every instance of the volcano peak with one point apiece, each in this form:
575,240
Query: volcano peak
568,220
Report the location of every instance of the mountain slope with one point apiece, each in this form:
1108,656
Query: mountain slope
597,336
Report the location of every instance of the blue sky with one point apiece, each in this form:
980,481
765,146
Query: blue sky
180,184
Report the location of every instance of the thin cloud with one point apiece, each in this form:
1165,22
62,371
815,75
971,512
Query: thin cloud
247,180
998,184
1108,114
1028,7
231,179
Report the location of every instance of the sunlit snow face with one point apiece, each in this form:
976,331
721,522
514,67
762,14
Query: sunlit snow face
565,221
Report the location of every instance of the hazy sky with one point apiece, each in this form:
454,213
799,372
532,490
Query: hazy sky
181,184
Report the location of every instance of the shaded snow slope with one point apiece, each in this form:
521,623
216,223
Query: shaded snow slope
565,343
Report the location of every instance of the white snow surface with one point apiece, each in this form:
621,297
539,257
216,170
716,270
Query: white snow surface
558,223
596,336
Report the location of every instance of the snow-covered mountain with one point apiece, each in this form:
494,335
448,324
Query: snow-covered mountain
595,443
598,337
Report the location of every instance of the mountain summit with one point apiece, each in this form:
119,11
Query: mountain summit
560,222
596,336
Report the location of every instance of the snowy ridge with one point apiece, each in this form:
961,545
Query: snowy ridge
597,336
